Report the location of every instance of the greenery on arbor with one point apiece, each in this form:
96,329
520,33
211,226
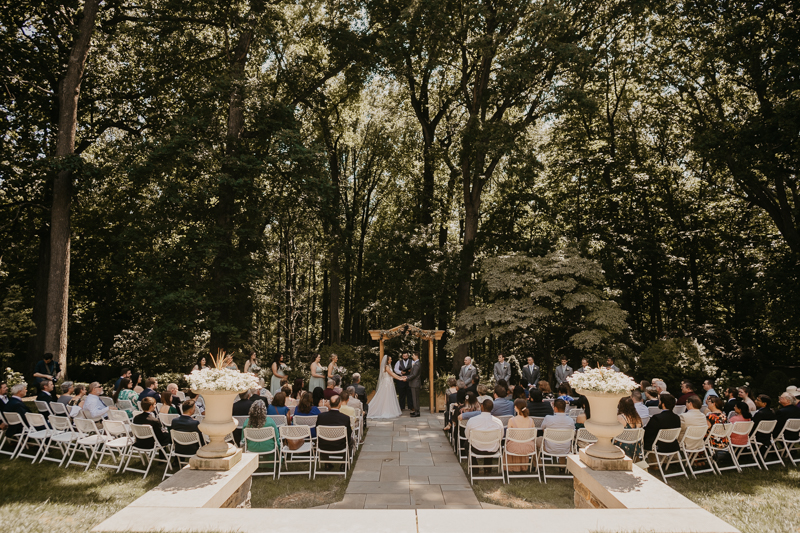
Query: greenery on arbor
282,176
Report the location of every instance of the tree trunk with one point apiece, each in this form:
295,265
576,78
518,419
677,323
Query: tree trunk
58,278
336,329
36,341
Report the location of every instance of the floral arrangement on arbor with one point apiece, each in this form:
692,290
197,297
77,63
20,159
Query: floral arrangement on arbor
13,378
602,380
221,378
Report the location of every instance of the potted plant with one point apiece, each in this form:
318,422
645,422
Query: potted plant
603,388
219,386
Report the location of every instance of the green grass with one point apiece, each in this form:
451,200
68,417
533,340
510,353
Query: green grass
754,501
48,499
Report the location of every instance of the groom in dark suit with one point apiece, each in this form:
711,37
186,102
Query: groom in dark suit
414,381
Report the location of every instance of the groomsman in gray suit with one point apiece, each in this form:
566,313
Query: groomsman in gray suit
414,382
563,372
467,372
502,370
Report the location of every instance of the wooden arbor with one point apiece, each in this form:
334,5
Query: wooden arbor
408,329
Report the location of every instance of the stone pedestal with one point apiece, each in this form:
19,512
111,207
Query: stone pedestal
220,464
623,464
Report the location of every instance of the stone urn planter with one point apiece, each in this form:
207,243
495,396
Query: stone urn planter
604,424
217,423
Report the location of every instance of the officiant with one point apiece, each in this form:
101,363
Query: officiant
402,368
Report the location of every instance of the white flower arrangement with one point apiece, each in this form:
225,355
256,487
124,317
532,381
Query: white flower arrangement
13,378
602,380
221,379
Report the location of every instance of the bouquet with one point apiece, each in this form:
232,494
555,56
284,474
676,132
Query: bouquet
221,378
602,380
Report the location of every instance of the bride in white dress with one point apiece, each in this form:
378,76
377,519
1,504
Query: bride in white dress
384,404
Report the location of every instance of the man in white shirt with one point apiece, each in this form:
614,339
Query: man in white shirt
558,420
3,393
693,416
93,407
641,409
708,386
484,422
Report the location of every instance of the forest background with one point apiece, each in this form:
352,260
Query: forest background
578,178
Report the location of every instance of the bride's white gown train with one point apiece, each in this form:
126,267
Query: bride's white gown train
385,404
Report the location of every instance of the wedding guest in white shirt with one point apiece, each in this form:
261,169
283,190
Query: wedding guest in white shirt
93,407
638,403
558,420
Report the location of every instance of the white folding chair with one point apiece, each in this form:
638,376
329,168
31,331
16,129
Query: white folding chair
38,436
140,433
668,436
181,395
491,438
182,438
43,407
59,409
504,419
693,446
719,433
166,418
583,438
13,419
742,430
537,421
323,409
108,402
521,436
280,420
119,416
118,441
90,439
790,445
654,410
125,405
765,427
555,439
63,438
266,434
303,454
461,439
335,457
679,409
632,436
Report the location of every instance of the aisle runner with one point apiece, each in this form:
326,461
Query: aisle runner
408,463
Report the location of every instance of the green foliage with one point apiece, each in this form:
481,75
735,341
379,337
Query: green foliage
15,324
676,359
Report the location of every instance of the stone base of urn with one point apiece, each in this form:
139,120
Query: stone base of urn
623,464
222,464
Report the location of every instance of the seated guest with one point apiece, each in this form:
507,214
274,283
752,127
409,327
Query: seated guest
708,386
504,384
547,392
172,388
582,402
187,424
744,395
537,407
644,412
125,392
660,386
257,418
354,402
258,393
148,417
149,391
742,411
306,407
297,389
483,393
788,410
346,408
643,385
278,406
473,387
45,387
484,421
242,407
687,389
328,393
651,397
453,386
666,419
693,416
93,406
519,463
361,392
502,406
716,416
67,389
16,405
334,418
558,420
519,393
318,397
627,415
564,391
731,396
337,380
78,396
166,404
763,412
3,395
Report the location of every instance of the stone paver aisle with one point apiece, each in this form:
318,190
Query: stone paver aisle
408,463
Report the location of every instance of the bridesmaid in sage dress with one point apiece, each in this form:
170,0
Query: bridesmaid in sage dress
278,373
317,375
